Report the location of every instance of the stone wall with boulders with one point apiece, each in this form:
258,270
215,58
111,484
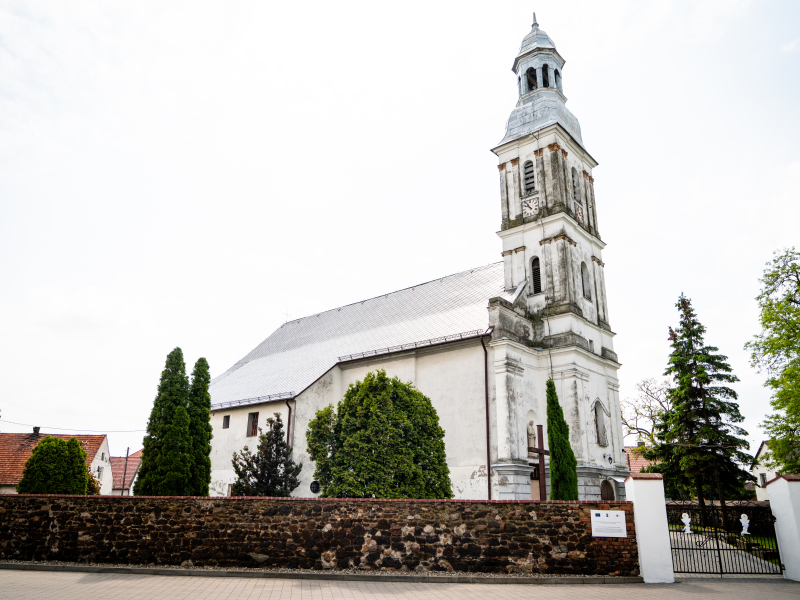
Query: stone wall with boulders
403,535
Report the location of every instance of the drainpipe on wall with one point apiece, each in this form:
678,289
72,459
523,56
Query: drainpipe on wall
288,423
486,396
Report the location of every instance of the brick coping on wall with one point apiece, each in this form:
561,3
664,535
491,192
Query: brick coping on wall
313,498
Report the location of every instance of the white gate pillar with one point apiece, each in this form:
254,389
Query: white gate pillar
784,500
646,491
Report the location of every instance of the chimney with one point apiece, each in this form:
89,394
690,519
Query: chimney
36,431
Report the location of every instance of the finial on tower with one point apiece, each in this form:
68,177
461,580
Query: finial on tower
535,24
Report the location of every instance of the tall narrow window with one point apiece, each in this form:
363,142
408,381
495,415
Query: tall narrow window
226,421
536,274
587,292
600,425
763,478
558,80
252,425
530,75
530,181
576,186
545,76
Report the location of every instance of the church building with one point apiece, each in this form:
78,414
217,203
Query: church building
480,344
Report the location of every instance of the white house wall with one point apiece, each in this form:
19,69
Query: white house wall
103,460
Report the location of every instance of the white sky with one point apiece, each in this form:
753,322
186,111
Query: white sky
185,174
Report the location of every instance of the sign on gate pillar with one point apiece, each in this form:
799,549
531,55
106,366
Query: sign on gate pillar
646,491
784,500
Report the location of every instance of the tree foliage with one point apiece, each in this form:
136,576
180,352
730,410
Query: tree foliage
200,429
776,350
382,441
92,484
699,445
166,458
563,466
55,467
271,470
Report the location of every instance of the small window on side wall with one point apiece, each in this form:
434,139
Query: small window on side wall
530,180
536,275
530,76
252,424
763,478
226,421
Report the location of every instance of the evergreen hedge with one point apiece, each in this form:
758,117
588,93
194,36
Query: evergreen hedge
55,467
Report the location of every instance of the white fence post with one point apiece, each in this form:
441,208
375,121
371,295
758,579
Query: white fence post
646,491
784,500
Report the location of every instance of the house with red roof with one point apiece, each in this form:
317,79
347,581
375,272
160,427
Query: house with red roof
16,449
125,469
634,459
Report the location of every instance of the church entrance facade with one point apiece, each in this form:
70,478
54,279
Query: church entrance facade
482,343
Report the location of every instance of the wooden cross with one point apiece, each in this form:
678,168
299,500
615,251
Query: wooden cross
542,453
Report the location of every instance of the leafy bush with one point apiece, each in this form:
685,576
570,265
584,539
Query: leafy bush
55,467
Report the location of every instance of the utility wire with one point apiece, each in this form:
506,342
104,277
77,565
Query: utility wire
73,428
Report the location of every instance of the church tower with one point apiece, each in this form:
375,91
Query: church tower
553,265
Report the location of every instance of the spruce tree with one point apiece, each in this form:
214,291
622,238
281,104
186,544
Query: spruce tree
271,470
700,446
383,441
55,466
200,428
563,466
166,456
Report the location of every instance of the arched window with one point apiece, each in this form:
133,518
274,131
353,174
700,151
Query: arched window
585,284
530,75
536,275
606,490
600,424
545,76
558,80
576,186
530,181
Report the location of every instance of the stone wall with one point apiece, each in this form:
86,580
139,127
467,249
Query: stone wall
417,535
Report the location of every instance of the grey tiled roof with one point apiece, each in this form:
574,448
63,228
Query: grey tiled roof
301,351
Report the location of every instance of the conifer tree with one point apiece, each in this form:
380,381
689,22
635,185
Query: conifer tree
563,466
200,428
55,466
699,441
383,441
166,457
271,470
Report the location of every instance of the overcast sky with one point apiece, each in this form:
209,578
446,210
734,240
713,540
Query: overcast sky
192,174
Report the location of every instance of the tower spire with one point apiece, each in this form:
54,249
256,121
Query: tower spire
535,24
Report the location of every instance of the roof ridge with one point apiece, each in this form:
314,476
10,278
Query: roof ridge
337,308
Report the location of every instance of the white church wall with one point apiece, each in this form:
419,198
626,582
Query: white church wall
227,441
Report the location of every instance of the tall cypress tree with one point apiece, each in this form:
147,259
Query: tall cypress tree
563,466
699,439
200,428
166,445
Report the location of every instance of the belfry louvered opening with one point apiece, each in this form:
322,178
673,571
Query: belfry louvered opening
536,274
530,180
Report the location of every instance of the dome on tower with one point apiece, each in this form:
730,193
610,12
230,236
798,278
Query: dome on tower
536,39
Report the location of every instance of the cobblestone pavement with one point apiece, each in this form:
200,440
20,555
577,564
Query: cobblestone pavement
100,586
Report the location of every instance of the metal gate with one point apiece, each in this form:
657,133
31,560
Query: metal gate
739,539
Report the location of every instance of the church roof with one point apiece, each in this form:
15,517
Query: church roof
301,351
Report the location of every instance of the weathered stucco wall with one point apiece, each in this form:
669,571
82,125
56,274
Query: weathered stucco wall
507,537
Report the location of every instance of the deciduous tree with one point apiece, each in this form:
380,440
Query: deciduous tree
776,350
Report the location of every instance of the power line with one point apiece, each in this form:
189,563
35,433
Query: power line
74,429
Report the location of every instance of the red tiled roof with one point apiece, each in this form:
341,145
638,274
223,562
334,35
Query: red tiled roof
636,462
118,470
137,454
16,449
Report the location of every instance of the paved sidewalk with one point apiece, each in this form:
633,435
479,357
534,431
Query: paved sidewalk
98,586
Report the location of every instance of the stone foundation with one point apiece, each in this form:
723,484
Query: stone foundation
403,535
